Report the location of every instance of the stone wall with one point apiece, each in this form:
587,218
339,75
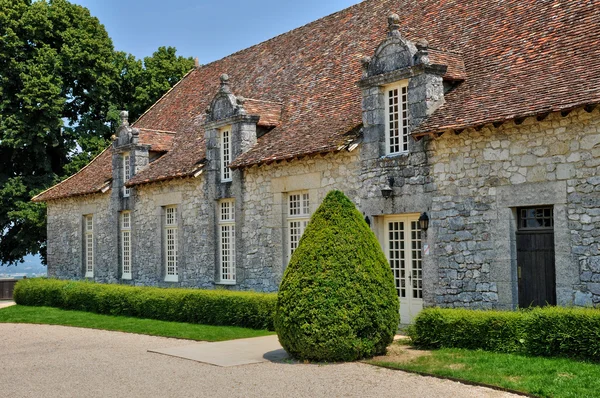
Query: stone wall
65,237
480,177
264,208
471,183
195,259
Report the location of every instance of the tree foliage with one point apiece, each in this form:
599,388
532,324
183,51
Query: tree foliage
337,300
61,86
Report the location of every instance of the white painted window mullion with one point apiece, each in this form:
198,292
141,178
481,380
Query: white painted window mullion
298,216
126,173
227,273
396,117
225,155
89,245
126,245
171,244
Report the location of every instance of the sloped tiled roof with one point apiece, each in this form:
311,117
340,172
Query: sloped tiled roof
159,141
270,112
93,178
515,57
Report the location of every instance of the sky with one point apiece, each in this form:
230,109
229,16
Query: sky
209,30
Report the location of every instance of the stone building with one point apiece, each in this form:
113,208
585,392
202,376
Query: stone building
481,116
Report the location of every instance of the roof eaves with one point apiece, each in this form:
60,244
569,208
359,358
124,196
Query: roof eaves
37,198
426,130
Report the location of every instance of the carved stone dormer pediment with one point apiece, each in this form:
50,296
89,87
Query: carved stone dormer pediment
393,53
126,135
397,58
225,104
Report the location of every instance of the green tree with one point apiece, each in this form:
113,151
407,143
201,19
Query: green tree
61,87
337,300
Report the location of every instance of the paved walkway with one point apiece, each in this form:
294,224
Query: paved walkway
230,353
55,361
4,304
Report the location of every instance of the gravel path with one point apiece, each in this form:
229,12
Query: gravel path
54,361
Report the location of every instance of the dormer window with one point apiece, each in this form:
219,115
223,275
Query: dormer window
396,116
126,173
225,154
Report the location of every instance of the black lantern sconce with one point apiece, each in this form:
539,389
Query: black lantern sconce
387,190
424,222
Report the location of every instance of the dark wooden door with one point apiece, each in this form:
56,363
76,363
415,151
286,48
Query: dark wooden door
535,257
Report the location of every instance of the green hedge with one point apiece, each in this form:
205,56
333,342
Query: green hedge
209,307
548,331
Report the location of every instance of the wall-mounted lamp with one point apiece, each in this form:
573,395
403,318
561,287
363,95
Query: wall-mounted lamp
424,222
387,190
368,221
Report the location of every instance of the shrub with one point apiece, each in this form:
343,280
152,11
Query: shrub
499,331
337,300
209,307
571,332
548,331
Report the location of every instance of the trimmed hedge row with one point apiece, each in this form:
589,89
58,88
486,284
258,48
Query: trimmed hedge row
548,331
209,307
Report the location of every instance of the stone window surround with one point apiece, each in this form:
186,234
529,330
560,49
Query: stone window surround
224,172
508,199
88,233
126,156
165,228
403,122
281,186
302,217
229,222
125,228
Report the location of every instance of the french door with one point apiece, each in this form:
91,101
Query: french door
403,250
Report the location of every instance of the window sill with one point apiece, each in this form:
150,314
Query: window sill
172,278
395,155
126,277
227,283
89,275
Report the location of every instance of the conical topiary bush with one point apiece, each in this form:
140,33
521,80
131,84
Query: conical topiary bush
337,300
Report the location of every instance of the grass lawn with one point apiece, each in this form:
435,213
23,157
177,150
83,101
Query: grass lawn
544,377
55,316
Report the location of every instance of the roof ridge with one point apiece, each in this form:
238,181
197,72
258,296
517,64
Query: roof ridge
72,176
164,95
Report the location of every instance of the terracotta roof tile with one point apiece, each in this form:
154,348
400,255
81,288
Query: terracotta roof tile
453,60
93,178
159,141
269,112
516,57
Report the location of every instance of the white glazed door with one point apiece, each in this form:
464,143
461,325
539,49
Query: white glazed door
403,251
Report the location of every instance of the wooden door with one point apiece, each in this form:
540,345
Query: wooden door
403,250
535,257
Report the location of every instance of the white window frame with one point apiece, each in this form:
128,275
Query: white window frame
225,147
88,245
227,253
171,243
298,216
126,266
403,244
396,119
126,173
